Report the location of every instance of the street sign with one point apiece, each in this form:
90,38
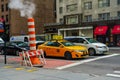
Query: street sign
57,37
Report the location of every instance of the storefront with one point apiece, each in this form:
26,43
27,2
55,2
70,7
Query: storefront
116,35
78,31
101,34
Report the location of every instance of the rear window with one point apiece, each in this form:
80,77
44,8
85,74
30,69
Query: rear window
75,40
71,39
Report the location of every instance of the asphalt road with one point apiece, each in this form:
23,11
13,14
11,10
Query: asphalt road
103,65
109,66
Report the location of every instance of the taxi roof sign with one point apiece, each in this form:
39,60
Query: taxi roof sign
57,37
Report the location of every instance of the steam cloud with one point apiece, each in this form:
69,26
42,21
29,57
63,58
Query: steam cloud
26,7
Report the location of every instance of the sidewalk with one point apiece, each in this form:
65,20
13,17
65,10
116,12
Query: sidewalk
114,49
16,72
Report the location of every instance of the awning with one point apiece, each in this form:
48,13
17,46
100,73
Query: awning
116,29
100,30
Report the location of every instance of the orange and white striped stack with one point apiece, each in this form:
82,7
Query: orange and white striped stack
31,30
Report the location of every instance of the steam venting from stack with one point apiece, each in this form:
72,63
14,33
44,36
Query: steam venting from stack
26,7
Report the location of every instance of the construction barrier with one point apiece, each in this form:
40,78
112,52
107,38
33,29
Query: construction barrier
32,58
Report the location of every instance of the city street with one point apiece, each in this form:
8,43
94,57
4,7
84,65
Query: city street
107,66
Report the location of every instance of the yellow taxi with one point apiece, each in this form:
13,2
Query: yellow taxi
63,48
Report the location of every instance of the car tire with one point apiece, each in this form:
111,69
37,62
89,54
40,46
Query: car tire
91,52
68,56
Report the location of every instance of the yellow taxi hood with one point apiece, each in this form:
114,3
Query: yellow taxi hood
76,47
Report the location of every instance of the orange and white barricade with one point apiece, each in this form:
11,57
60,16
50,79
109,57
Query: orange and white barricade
32,58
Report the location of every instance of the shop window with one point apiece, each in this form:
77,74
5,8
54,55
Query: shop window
74,34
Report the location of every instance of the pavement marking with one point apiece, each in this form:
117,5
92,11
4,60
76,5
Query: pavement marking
85,61
8,66
32,70
19,68
116,71
113,75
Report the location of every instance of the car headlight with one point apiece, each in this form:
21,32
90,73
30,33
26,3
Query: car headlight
98,46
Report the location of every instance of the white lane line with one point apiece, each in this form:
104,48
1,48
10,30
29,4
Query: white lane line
113,75
85,61
116,71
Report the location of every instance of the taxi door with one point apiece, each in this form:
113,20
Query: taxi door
57,50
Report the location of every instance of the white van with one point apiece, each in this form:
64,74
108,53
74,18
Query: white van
25,38
94,47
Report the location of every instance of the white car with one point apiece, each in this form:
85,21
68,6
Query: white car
1,42
94,47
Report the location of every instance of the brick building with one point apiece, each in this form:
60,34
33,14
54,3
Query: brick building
17,25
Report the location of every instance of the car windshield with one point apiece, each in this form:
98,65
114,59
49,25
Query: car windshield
22,44
18,44
68,44
91,40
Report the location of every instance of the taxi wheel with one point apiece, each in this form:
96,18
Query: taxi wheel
91,52
68,55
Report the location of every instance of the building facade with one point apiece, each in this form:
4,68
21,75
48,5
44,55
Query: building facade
94,18
17,25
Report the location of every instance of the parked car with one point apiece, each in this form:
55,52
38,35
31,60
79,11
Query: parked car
1,41
94,47
25,38
14,48
63,48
